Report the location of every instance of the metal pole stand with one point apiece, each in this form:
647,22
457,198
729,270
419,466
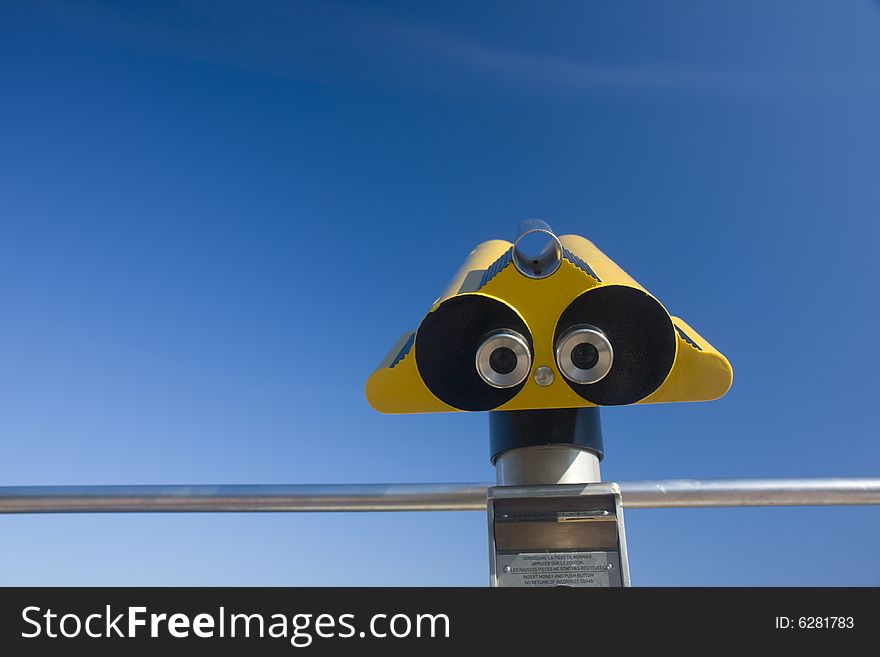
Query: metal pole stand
551,521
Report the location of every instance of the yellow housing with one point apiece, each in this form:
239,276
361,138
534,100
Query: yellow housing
698,371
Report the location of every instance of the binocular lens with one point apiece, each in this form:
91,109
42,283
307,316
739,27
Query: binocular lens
584,354
504,359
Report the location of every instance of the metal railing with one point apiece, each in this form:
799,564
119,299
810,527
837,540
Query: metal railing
675,493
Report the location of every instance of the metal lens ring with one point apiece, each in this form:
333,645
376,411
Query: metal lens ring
503,359
584,354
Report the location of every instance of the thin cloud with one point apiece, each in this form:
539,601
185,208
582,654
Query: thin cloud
331,41
572,74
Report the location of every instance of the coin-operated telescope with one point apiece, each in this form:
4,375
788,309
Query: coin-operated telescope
541,332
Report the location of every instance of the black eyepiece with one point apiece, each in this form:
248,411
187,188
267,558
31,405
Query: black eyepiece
585,356
503,360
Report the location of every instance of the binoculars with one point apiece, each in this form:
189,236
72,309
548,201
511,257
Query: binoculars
545,322
541,332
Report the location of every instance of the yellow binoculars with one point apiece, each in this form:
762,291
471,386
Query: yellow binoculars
545,322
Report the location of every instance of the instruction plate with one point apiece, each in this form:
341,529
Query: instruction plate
587,569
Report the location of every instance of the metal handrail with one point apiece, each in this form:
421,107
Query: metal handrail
658,494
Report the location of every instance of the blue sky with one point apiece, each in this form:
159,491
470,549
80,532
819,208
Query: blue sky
215,219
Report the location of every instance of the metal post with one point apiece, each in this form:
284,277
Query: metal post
547,464
555,446
551,523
